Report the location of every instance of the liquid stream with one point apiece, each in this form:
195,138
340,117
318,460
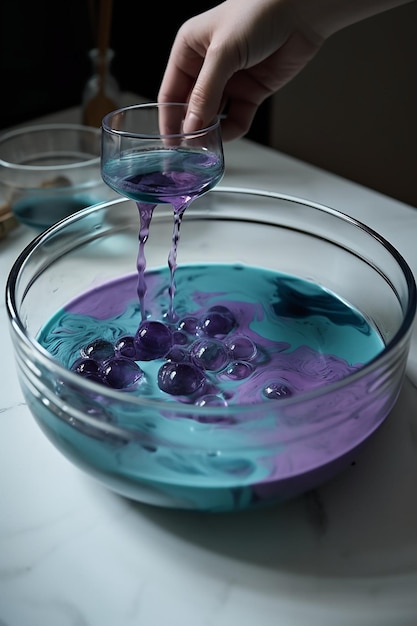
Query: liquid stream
175,176
233,335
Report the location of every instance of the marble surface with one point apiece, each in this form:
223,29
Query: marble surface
75,554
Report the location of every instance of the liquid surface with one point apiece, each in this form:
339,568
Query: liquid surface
278,335
274,336
168,176
43,212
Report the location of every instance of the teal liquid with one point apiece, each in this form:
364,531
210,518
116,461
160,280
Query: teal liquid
305,336
168,176
43,212
169,457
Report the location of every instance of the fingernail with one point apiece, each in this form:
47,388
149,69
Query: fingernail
192,123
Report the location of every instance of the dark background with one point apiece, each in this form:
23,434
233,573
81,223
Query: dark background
44,53
352,111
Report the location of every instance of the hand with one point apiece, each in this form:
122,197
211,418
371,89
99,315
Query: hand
242,51
238,53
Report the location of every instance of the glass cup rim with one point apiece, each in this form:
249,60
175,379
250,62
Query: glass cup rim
50,363
47,128
148,105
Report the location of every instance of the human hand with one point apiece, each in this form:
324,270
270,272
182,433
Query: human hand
243,51
238,53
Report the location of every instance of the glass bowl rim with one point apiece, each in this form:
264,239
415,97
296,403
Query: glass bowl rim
50,127
46,359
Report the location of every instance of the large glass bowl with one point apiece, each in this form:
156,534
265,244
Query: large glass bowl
212,458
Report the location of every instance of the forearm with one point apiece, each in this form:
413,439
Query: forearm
323,18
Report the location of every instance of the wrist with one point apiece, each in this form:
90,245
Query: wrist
320,19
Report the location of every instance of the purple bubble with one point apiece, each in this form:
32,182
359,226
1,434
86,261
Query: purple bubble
99,350
209,354
121,373
217,322
180,379
153,340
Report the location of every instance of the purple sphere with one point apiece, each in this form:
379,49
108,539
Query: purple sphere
153,340
209,354
121,373
180,379
98,349
217,322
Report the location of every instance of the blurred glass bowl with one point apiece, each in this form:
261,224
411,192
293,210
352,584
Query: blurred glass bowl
212,458
50,171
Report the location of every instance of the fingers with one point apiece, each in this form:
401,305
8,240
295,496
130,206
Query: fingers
247,89
208,84
208,94
171,118
201,62
183,67
236,52
243,94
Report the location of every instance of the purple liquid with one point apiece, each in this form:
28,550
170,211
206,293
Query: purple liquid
170,176
173,176
283,337
262,337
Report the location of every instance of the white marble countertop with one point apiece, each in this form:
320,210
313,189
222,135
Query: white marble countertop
74,554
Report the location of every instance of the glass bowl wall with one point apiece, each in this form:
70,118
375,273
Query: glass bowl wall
49,171
154,451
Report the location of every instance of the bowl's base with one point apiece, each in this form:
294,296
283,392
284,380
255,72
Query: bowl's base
203,497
